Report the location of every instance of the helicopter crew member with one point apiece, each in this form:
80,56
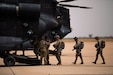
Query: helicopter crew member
99,47
43,45
78,46
48,45
36,47
58,49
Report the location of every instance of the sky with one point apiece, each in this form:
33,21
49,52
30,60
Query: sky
97,21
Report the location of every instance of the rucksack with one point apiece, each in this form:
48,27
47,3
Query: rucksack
62,45
102,44
81,45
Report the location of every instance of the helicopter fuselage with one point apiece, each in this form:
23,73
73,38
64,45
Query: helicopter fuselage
23,20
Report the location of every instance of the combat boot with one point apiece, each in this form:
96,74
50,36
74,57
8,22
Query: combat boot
94,62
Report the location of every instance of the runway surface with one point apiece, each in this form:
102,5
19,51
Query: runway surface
67,67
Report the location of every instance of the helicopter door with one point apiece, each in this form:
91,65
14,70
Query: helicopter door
64,22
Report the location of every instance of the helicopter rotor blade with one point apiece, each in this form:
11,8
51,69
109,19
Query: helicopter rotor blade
66,5
67,0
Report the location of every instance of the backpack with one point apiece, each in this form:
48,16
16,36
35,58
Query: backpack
81,45
62,45
102,44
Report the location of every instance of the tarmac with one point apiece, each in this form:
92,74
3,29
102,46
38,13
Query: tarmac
67,67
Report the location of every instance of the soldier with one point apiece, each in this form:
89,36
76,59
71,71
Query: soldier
36,47
48,45
43,50
78,46
58,49
99,48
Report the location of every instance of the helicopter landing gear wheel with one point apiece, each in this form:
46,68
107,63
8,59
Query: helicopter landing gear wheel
9,61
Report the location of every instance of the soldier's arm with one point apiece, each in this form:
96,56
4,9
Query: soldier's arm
74,47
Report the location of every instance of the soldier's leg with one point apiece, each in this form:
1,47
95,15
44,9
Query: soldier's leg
48,59
101,54
37,56
36,52
58,58
76,57
41,57
81,58
96,57
45,58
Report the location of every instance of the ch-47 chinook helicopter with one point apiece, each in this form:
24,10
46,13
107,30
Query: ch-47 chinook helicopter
23,20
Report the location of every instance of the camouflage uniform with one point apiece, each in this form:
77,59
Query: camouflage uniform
43,51
58,49
99,47
36,47
47,46
78,46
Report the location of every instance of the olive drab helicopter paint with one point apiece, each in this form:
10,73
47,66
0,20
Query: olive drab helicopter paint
23,20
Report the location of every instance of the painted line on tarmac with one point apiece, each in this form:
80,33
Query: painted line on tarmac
12,71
